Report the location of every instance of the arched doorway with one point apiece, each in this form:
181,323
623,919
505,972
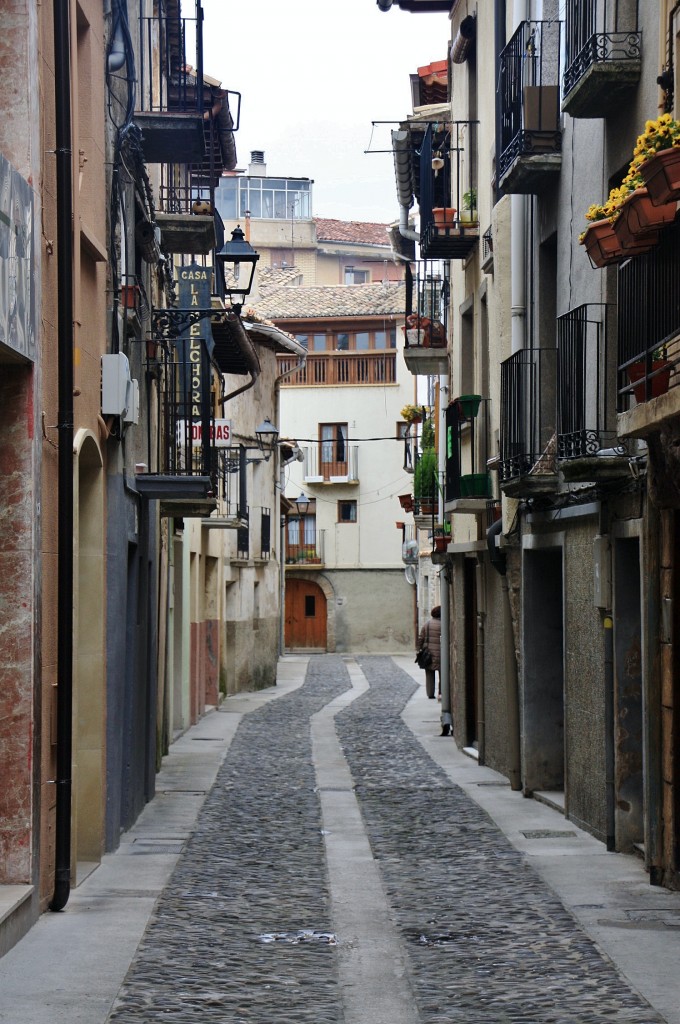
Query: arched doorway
306,615
89,658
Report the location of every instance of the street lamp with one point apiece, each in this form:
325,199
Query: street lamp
236,254
267,435
302,503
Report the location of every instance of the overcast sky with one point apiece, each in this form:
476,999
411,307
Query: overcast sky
313,75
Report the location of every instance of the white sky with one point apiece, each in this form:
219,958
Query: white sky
313,75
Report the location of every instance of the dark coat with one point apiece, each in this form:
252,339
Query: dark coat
431,635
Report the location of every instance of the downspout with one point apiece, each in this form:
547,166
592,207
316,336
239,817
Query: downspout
609,754
518,218
479,655
446,717
64,174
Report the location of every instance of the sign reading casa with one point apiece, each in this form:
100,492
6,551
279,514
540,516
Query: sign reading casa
220,433
194,286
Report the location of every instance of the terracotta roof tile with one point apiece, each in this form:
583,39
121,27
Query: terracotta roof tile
334,301
359,232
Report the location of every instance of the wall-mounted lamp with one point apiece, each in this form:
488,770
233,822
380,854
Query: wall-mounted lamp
437,162
302,504
267,435
236,254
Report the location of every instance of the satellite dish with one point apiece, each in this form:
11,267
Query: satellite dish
410,574
409,552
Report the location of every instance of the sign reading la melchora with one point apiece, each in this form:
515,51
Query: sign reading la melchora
194,292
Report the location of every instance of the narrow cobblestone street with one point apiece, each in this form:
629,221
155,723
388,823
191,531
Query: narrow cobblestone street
336,873
243,931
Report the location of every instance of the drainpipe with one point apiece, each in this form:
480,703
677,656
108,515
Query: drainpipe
64,173
479,653
609,754
518,218
446,717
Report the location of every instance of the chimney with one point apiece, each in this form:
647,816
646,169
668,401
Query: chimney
257,167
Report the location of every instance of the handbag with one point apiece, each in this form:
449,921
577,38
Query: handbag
424,657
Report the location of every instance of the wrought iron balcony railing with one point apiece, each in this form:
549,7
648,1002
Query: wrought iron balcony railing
603,47
649,322
527,442
449,215
467,433
340,368
170,88
585,382
529,106
326,462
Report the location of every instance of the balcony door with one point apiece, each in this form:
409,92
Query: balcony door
333,448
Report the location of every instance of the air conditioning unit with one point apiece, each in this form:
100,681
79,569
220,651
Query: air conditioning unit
132,413
120,394
409,552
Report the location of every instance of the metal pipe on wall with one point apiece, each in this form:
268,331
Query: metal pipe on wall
64,212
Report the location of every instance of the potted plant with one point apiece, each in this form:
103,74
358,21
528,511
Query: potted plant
444,216
468,214
468,406
442,536
412,413
406,502
425,481
656,158
658,373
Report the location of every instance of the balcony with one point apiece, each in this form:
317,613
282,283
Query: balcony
649,337
304,547
587,446
331,462
181,452
340,369
170,89
467,482
528,441
186,196
232,500
426,326
449,219
528,108
603,56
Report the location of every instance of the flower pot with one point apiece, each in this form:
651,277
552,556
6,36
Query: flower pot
661,175
633,244
418,339
441,543
601,244
129,296
425,506
406,502
468,405
444,216
659,383
642,215
475,485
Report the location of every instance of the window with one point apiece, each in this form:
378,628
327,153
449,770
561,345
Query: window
333,438
362,341
385,339
269,198
342,342
353,276
347,511
317,343
310,606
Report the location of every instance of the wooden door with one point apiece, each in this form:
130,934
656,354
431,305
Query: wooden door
305,615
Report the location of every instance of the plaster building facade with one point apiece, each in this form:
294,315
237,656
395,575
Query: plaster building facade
562,625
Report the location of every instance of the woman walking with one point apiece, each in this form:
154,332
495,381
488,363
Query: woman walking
430,637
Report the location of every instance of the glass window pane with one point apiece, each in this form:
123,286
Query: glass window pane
380,339
362,340
342,342
280,210
303,339
255,204
243,202
393,337
310,606
318,343
276,183
267,203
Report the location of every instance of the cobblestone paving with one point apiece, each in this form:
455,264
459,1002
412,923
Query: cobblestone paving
488,941
242,933
223,943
